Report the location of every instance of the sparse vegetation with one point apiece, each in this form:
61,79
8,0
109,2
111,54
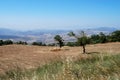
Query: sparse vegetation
94,67
36,41
101,62
82,40
97,38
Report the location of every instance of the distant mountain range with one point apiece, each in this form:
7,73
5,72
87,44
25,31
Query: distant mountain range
47,36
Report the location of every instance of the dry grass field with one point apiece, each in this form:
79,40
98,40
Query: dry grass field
28,57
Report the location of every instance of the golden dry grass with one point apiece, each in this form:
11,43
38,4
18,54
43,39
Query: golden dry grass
33,56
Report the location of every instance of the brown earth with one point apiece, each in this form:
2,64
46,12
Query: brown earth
28,57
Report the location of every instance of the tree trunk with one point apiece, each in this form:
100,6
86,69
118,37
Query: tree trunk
84,49
60,46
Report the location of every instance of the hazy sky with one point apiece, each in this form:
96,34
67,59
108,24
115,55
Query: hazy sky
59,14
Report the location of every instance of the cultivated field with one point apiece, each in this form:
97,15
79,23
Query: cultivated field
33,56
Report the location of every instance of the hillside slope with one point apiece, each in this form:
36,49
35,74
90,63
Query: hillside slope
33,56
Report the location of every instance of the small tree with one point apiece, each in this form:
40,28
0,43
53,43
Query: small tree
82,39
1,42
59,39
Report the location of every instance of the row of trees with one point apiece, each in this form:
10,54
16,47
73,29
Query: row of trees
83,39
102,38
8,42
38,44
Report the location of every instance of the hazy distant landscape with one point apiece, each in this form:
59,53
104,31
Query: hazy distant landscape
59,39
46,36
23,56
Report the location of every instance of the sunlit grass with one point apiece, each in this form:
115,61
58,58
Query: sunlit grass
96,67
